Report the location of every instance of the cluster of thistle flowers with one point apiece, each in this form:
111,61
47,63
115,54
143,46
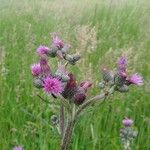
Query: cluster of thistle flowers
120,78
59,82
128,133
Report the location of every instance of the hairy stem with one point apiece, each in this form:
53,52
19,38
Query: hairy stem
98,98
67,137
62,120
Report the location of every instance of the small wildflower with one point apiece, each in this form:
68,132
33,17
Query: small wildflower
52,85
42,50
17,148
135,79
36,69
127,122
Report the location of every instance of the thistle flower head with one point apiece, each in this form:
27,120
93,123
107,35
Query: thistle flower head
122,64
52,85
127,122
57,42
36,69
42,50
17,148
135,79
44,66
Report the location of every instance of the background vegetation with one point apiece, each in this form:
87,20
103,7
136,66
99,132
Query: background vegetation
101,31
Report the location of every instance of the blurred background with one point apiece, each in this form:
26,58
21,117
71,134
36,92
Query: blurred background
100,30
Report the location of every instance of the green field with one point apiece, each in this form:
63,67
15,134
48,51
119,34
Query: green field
101,31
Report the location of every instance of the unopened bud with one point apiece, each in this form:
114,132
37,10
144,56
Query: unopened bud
79,98
107,75
54,120
37,82
119,79
52,52
124,88
65,78
73,58
101,85
65,49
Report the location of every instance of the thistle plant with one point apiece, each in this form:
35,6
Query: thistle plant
70,96
127,134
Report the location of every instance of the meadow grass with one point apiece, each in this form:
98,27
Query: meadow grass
101,31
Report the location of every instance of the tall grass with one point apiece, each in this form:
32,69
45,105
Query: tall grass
112,27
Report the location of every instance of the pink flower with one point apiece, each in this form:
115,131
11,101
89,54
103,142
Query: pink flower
135,79
17,148
127,122
36,69
52,85
42,50
57,42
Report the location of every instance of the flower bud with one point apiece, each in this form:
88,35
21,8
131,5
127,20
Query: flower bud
79,98
37,82
65,49
45,67
73,58
120,78
85,85
101,85
65,78
52,52
54,120
124,88
107,75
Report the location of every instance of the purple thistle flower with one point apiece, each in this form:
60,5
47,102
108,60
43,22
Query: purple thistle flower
17,148
45,67
127,122
122,64
135,79
52,85
36,69
57,42
42,50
